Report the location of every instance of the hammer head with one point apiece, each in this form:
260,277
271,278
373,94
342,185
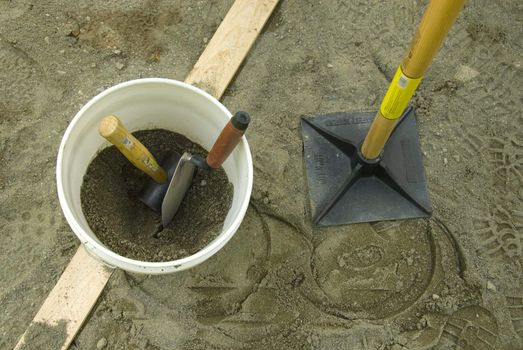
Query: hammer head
153,193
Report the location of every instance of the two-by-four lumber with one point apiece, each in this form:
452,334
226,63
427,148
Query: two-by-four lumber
231,43
73,296
82,282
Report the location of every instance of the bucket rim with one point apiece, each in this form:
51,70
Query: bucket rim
113,259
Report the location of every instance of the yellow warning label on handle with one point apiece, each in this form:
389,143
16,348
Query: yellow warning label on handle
398,95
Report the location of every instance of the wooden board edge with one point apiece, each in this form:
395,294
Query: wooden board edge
73,297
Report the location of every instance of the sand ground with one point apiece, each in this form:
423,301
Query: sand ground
452,281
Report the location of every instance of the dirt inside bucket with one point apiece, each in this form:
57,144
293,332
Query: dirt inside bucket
128,227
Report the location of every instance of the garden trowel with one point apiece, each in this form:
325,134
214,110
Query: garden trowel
174,177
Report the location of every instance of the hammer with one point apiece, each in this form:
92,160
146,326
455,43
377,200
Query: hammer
171,181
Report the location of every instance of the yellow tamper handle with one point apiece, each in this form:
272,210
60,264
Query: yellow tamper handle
432,30
112,129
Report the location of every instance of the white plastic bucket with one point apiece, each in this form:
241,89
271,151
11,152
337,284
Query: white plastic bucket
146,104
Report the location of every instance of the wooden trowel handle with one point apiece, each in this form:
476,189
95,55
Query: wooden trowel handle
112,129
228,139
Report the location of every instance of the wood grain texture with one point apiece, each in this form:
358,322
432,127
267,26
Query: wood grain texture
113,130
224,145
84,279
230,44
73,296
378,134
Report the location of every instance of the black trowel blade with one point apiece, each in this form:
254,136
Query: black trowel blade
153,193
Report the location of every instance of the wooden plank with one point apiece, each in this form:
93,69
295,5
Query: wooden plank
84,279
230,44
73,296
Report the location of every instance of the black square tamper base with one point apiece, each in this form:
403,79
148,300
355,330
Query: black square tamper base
345,188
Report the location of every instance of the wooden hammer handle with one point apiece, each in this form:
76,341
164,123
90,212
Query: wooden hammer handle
228,139
112,129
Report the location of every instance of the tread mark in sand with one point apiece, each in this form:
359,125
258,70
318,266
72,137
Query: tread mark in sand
515,310
500,232
472,327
